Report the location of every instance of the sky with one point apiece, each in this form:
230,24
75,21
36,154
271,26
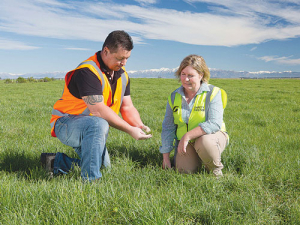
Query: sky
38,36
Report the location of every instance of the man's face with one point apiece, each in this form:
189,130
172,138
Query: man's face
114,61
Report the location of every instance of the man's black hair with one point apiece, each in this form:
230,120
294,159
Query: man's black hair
116,39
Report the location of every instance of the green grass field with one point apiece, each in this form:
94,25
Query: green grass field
261,183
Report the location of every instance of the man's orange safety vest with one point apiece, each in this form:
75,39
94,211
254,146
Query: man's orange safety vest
70,105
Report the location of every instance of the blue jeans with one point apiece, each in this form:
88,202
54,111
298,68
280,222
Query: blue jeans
87,135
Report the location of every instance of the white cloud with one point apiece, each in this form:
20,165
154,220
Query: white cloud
146,2
78,49
6,44
281,60
266,12
232,23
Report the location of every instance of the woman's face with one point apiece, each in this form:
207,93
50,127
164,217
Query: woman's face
190,79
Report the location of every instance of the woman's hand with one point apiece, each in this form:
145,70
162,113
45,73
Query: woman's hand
192,134
183,143
166,161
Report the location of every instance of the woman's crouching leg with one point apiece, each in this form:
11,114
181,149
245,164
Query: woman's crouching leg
209,148
188,162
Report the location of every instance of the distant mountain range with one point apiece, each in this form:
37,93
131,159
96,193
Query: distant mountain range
169,73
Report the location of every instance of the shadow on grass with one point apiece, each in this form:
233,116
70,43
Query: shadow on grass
142,157
28,166
24,165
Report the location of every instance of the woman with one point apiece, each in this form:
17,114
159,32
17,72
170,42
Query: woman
194,119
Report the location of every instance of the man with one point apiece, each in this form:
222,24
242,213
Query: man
94,93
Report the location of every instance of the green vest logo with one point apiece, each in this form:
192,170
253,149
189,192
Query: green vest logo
175,108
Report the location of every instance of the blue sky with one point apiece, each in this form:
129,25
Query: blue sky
53,35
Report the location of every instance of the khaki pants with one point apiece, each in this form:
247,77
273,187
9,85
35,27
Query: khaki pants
206,149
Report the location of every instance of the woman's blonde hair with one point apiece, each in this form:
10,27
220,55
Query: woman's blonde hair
198,64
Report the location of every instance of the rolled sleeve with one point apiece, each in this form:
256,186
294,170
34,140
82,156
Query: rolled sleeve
215,115
168,131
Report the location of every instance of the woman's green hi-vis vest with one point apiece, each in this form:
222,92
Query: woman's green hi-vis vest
199,111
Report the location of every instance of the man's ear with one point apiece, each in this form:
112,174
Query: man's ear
106,50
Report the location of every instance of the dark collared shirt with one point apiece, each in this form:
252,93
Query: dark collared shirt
84,82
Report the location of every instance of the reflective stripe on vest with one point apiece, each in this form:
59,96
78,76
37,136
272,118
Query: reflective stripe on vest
70,105
199,112
94,67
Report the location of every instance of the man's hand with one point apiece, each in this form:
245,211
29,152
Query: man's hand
138,134
146,129
131,124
